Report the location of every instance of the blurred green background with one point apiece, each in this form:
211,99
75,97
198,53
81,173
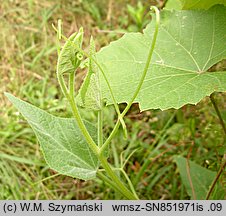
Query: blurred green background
28,59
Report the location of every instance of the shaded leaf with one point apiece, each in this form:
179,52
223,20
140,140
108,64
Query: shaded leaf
64,148
89,93
188,44
200,4
201,177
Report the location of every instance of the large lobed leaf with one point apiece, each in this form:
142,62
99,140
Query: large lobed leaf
62,143
188,44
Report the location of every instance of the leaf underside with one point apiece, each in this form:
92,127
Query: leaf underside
188,44
201,177
62,143
89,93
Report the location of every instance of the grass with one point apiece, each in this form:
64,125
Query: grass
28,59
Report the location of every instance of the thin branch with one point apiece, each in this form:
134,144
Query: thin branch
148,61
216,179
218,113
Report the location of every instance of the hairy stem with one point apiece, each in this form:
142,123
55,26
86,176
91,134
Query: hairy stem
63,87
111,136
98,65
108,181
100,128
77,116
123,189
82,127
72,84
121,116
148,61
99,152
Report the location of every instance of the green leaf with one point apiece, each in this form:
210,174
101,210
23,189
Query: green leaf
200,4
201,177
173,4
64,148
89,93
188,44
192,4
69,58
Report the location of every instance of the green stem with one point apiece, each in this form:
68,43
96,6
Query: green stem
72,84
130,183
218,113
115,129
116,158
77,116
147,61
108,181
98,65
111,136
100,128
123,189
99,152
62,85
82,127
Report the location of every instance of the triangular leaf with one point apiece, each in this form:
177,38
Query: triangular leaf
201,177
89,93
188,44
62,143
